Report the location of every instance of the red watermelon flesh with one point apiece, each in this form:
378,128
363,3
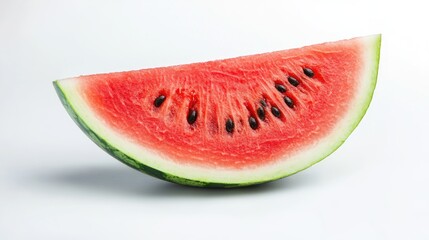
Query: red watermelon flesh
233,115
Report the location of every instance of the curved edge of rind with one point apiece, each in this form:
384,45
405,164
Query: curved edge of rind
127,160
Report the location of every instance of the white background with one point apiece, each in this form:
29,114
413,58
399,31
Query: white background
56,184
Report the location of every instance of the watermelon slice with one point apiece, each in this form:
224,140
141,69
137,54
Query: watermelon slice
232,122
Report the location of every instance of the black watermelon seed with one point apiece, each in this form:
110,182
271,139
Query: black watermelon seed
293,81
192,116
229,126
288,102
253,123
261,113
263,103
275,111
281,88
159,100
308,72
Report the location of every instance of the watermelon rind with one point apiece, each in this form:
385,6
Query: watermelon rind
124,158
154,164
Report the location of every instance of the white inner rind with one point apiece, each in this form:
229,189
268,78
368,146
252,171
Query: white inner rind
302,159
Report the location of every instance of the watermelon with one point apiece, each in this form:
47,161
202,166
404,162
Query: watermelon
232,122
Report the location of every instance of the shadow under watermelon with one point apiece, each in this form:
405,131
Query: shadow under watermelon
120,180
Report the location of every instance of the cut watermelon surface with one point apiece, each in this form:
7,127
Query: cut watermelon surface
232,122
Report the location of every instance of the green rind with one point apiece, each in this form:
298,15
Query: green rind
116,153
